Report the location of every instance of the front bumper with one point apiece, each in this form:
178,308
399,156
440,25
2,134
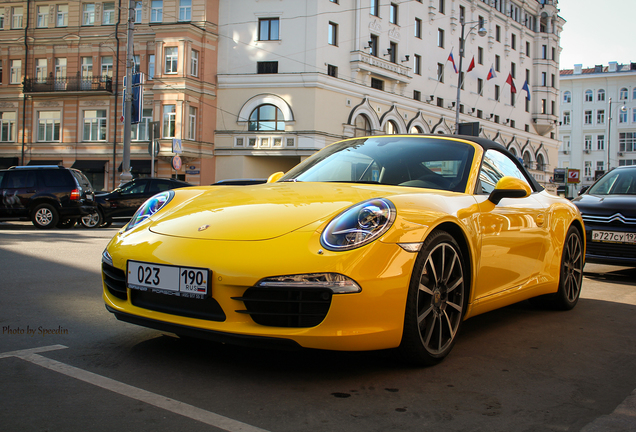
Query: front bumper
368,320
606,252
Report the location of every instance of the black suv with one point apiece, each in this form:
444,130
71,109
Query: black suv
48,195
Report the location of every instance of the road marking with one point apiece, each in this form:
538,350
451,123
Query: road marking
168,404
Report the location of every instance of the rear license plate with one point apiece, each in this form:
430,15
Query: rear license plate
613,236
168,279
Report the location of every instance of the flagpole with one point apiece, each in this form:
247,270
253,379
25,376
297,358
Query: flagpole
462,45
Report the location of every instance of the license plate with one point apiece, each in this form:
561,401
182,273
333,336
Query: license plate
613,236
90,196
168,279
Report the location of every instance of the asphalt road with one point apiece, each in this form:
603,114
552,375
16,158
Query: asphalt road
66,364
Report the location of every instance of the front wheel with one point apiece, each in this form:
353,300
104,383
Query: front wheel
44,216
436,301
571,275
92,220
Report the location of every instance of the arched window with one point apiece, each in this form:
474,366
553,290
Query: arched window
527,160
623,94
267,117
362,126
589,95
513,151
567,97
416,130
540,163
390,128
600,95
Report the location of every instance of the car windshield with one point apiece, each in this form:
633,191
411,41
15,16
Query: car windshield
425,162
617,182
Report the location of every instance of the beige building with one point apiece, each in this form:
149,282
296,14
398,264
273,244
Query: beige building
598,119
294,76
61,68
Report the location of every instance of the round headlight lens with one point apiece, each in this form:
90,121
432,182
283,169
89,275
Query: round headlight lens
358,225
150,207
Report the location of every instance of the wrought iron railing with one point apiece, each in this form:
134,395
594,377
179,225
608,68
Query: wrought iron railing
68,84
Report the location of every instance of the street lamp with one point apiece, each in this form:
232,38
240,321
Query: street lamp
462,42
609,131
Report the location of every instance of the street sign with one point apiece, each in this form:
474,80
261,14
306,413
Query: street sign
176,163
559,175
176,146
574,175
137,98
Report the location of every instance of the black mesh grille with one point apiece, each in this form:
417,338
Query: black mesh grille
206,308
115,280
286,307
610,250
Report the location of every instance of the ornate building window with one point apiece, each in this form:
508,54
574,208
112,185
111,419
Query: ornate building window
267,117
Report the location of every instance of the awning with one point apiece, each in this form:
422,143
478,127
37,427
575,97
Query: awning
90,166
7,162
138,166
44,162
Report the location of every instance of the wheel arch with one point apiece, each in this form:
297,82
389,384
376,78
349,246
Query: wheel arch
460,237
44,200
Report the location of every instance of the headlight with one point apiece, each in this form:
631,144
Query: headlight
358,225
106,258
150,207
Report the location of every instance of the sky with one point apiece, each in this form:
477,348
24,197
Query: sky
597,32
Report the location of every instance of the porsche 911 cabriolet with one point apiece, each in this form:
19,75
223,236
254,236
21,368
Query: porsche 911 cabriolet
371,243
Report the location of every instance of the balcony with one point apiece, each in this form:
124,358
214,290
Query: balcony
95,84
365,62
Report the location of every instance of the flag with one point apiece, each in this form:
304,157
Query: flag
526,88
452,60
513,89
472,65
491,74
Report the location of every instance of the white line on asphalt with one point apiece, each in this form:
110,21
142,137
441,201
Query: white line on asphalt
186,410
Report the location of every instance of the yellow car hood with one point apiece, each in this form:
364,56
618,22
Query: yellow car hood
261,212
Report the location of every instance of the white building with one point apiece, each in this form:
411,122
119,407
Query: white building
295,76
598,119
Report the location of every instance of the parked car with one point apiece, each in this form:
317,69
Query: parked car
123,202
609,211
371,243
48,195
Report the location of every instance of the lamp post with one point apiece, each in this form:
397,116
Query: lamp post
609,131
462,42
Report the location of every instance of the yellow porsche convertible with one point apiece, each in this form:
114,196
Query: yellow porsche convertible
371,243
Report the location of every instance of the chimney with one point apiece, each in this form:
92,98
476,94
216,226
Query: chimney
598,68
613,66
578,69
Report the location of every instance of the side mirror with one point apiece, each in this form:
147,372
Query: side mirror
275,177
583,190
509,187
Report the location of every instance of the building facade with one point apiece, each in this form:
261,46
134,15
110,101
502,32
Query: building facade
598,119
295,76
61,69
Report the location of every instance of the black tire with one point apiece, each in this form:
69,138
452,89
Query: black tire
436,302
44,216
93,220
107,224
67,223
